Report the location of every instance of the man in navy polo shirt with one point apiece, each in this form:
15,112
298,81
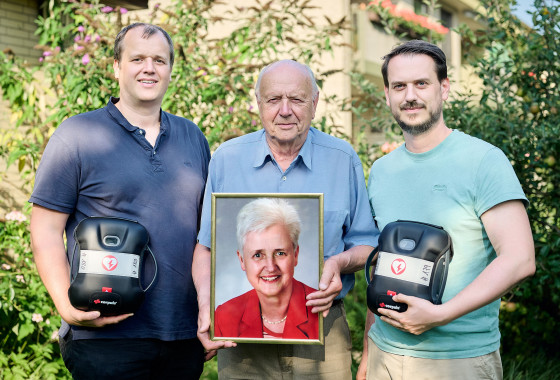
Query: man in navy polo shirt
129,160
289,156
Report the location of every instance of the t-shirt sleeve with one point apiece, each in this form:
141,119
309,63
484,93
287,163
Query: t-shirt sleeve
496,182
57,178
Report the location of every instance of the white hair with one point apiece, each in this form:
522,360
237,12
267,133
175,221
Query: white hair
262,213
307,69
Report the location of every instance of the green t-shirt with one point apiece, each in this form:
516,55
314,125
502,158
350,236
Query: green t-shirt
451,186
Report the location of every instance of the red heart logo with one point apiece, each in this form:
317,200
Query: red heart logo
109,263
398,266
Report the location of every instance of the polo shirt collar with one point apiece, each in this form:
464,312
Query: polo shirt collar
119,118
263,153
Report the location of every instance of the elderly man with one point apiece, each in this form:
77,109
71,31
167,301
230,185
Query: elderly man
289,156
447,178
129,160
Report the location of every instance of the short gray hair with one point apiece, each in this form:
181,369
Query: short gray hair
262,213
307,69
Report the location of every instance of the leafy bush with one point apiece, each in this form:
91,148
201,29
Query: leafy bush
28,319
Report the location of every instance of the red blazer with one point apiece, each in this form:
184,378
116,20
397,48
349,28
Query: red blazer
240,317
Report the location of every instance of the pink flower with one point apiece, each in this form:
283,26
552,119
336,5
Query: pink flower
87,38
106,9
253,122
85,59
441,29
97,38
389,147
79,47
81,29
16,216
41,59
57,49
6,266
20,278
54,335
77,38
230,109
123,11
37,317
47,53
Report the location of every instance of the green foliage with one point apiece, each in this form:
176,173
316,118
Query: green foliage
28,319
370,113
518,112
355,304
531,367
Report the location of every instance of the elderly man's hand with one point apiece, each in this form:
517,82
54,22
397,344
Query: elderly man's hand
329,287
210,347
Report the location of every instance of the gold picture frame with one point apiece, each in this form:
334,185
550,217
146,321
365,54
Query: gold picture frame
236,311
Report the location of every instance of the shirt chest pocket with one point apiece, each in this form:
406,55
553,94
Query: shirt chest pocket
334,225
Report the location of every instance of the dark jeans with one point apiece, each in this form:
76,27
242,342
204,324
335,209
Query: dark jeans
132,358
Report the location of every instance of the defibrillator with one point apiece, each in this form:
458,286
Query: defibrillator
110,265
412,258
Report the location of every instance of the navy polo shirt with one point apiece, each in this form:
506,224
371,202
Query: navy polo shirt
98,164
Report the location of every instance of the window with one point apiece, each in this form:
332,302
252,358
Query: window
420,8
446,18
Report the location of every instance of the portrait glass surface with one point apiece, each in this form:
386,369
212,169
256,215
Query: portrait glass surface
267,256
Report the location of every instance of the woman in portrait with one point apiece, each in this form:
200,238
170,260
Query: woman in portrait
267,237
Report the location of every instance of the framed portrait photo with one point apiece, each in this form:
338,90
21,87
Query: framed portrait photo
267,256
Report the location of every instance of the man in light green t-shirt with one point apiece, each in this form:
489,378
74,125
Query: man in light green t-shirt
445,177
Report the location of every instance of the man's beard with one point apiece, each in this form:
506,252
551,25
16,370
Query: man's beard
416,130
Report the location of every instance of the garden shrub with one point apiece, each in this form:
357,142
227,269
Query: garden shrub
28,318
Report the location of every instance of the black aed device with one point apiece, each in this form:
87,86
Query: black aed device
411,258
111,256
